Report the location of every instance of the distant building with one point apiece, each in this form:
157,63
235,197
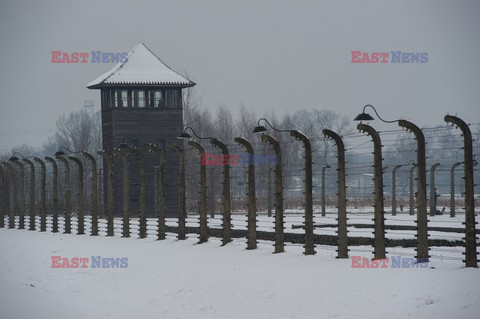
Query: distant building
141,102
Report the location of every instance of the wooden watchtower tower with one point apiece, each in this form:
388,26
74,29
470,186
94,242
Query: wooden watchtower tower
141,100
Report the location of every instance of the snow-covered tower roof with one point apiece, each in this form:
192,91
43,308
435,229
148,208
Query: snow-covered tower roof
141,68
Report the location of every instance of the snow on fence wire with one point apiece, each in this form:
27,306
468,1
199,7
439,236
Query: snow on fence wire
69,200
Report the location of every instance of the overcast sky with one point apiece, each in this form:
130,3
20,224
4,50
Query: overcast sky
269,55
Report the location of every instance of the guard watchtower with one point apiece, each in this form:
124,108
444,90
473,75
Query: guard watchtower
141,100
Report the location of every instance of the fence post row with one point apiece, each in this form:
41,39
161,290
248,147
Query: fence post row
81,200
21,194
251,206
32,195
379,227
226,216
342,251
471,259
279,223
203,194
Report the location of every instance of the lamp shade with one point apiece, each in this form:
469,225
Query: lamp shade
259,129
184,136
364,117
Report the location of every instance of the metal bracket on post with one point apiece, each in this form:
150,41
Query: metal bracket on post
109,172
55,194
251,207
279,223
379,227
471,259
342,196
203,195
226,216
181,192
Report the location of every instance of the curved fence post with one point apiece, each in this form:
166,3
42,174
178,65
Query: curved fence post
31,203
55,194
279,223
471,259
43,195
342,251
379,227
125,180
422,210
226,216
67,196
433,191
252,206
308,185
81,197
160,193
143,214
109,171
11,195
181,192
203,194
21,194
94,195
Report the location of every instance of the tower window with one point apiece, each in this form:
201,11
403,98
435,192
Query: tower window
121,98
156,99
171,97
138,98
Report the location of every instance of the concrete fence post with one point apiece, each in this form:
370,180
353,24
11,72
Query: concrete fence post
422,209
55,193
226,216
32,220
433,191
181,192
308,189
21,194
251,196
67,196
125,182
471,259
143,214
342,251
11,195
279,223
94,195
81,196
43,195
160,198
109,207
379,220
203,194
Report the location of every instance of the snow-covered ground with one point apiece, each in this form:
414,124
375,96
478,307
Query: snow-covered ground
181,279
